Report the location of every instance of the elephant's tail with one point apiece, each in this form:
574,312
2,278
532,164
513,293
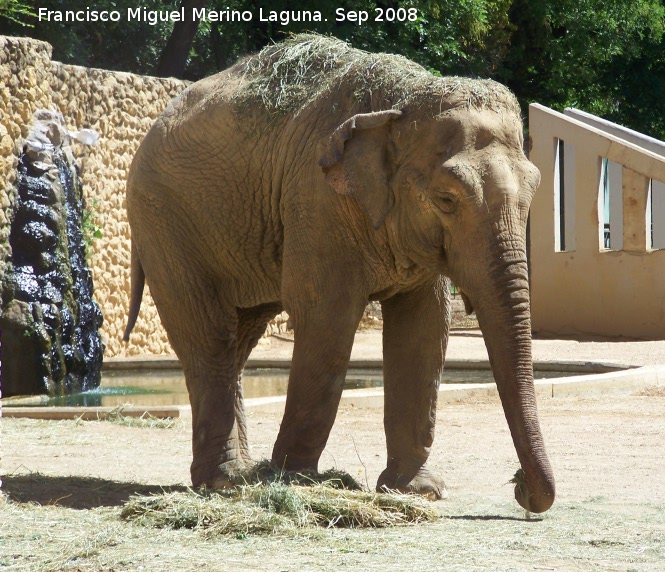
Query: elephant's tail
137,284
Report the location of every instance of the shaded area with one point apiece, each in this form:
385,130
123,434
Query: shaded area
76,492
472,517
49,322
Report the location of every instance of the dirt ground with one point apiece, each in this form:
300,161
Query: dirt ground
64,482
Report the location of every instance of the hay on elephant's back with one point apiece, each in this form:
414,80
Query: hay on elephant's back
287,77
276,507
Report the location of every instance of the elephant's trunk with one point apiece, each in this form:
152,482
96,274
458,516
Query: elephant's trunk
503,312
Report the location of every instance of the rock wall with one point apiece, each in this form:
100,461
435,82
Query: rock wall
121,107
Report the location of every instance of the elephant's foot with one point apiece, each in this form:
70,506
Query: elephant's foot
423,482
220,475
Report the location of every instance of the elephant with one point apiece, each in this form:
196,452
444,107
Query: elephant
313,177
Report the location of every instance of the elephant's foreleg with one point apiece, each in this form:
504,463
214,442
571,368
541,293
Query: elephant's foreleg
323,340
415,334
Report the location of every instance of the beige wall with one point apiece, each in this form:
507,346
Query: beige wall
591,290
121,107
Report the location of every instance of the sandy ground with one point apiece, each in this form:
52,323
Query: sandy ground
64,482
591,440
607,454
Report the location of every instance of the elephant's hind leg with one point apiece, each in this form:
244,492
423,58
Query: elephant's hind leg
252,324
203,333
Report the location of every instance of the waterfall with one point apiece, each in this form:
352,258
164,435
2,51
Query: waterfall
49,325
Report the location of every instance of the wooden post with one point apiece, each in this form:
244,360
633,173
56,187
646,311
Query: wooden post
635,195
588,227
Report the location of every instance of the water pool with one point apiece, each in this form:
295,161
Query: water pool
161,387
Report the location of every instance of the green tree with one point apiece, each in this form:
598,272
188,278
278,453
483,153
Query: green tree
16,11
448,36
124,45
635,88
173,58
603,56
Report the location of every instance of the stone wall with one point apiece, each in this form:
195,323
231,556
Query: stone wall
121,107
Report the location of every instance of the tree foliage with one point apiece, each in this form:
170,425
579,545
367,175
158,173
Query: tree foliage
16,11
123,46
604,56
589,54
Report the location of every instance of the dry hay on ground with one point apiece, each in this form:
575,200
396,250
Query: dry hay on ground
272,501
651,391
146,419
276,507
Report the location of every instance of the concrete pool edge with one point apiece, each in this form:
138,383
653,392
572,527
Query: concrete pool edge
172,363
97,413
633,379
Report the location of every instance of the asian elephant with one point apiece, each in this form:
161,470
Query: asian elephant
313,177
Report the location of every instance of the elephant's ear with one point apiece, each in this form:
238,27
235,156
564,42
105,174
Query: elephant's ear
356,161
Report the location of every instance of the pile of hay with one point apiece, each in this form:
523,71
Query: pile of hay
264,473
278,505
651,391
287,77
275,507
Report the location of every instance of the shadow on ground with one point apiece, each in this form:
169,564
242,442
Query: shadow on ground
491,517
75,492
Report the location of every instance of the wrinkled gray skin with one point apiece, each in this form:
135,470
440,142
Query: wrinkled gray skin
239,213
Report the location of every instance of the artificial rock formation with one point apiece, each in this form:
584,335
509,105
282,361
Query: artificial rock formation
121,107
49,322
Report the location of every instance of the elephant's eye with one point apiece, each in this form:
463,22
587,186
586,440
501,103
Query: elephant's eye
446,202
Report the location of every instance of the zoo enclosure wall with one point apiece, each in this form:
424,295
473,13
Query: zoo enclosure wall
596,232
121,107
